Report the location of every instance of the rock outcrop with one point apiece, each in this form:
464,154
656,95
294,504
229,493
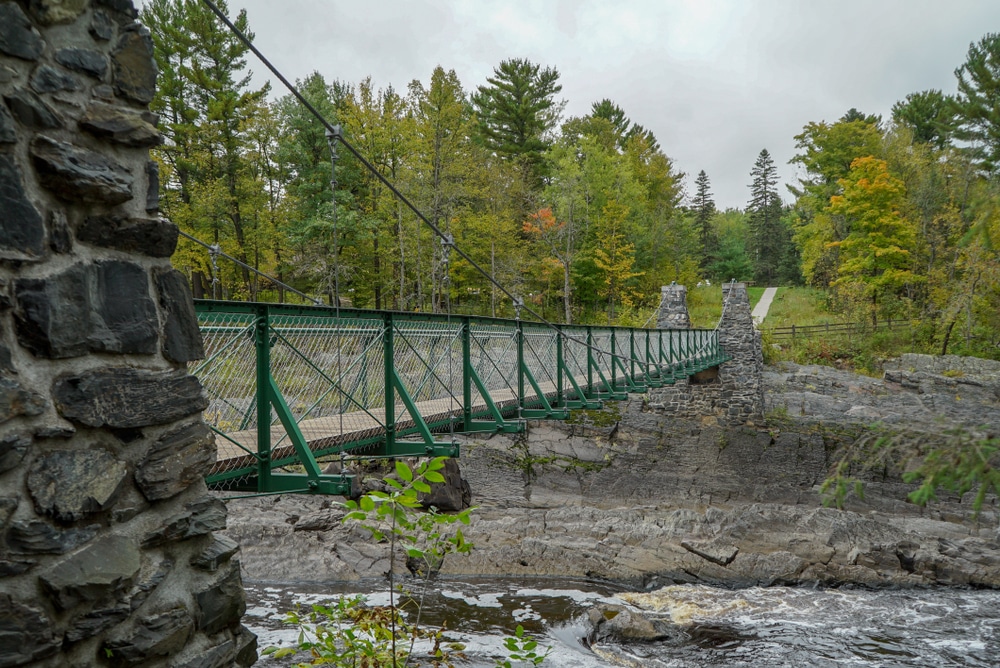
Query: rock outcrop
644,498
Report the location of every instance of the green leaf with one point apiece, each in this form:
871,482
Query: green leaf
393,483
403,471
433,476
367,504
421,487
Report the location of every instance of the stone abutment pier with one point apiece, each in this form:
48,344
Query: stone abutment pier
108,555
734,393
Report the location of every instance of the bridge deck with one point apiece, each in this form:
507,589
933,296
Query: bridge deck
332,431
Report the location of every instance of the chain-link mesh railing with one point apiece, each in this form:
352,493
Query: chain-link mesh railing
370,383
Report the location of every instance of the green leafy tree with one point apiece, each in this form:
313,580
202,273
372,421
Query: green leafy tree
978,101
614,256
826,152
876,259
445,172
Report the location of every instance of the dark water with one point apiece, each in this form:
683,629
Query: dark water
774,626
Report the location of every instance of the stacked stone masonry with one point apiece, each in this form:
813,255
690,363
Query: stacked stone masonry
736,395
108,555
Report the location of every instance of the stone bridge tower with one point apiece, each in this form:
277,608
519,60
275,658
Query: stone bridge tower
107,552
732,394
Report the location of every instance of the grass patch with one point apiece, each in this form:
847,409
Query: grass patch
799,306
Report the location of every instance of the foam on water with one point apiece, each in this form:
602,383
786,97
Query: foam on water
773,626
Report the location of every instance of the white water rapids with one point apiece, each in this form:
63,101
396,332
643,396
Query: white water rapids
759,627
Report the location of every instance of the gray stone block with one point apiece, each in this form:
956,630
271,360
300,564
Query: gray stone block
101,27
86,61
15,400
22,230
104,307
175,461
8,129
119,125
217,657
125,398
71,484
154,237
12,449
17,37
36,537
25,631
101,571
133,66
199,518
182,340
222,548
30,110
223,604
156,635
152,186
90,624
78,174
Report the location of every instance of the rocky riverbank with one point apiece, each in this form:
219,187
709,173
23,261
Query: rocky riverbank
632,495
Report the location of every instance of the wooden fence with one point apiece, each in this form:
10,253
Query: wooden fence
834,329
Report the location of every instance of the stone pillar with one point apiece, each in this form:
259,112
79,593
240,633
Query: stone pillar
741,378
732,393
107,551
673,308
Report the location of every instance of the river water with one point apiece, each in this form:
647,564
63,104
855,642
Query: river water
773,626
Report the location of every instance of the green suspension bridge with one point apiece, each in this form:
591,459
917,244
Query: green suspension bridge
288,385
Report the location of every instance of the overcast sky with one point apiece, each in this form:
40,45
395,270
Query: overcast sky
715,80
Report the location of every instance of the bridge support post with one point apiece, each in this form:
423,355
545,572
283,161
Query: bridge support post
730,393
262,339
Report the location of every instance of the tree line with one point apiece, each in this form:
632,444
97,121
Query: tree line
584,217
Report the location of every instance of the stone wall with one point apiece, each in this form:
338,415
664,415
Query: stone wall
736,395
107,551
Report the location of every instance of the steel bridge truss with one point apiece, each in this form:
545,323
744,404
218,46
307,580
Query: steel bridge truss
368,384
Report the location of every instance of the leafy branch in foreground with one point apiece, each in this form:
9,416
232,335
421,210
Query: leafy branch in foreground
352,634
522,649
958,461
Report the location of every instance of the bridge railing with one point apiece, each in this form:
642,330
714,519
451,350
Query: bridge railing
361,383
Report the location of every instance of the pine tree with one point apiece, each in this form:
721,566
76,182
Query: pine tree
517,111
764,213
704,211
978,101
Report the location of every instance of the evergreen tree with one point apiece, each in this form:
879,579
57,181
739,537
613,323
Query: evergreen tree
978,101
929,114
622,125
517,111
704,211
764,216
